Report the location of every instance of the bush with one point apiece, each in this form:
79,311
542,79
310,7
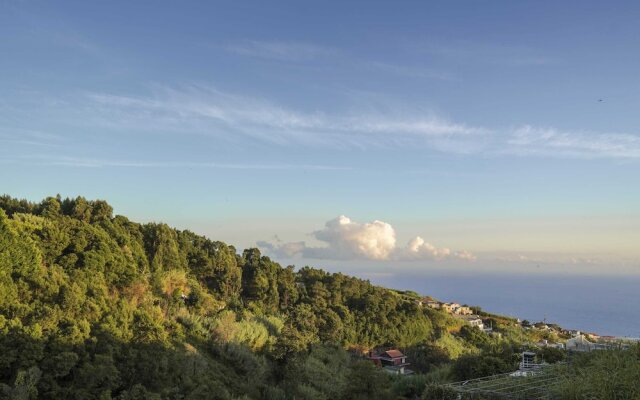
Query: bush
471,367
409,387
604,375
439,392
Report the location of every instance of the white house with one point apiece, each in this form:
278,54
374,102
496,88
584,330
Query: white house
579,343
450,307
473,320
464,310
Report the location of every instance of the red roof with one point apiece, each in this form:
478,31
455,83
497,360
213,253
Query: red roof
393,353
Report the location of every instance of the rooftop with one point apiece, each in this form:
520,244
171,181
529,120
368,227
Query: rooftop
393,354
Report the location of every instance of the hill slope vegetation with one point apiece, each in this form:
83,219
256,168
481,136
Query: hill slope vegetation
95,306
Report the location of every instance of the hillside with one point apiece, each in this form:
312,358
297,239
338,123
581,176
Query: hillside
95,306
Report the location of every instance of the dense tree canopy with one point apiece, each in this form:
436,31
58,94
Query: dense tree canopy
94,306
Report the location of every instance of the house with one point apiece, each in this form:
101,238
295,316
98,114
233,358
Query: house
579,343
464,310
392,361
477,322
545,343
434,304
450,307
542,326
429,302
473,320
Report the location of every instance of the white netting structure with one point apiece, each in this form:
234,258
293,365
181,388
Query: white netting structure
530,386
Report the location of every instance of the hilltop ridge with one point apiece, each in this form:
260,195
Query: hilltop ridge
94,305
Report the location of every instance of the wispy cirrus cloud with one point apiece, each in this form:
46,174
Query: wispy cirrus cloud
299,52
30,138
79,162
283,51
212,111
486,53
536,141
411,71
240,119
207,110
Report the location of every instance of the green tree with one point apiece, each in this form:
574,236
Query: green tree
366,382
477,366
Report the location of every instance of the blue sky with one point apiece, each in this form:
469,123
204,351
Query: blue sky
466,135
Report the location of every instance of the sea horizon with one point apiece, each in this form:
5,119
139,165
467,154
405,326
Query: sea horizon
605,305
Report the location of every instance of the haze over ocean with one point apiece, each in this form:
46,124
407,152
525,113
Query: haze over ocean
606,305
572,296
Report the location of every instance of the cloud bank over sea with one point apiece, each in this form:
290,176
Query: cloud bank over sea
346,239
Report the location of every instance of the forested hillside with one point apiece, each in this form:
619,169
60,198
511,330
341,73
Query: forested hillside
95,306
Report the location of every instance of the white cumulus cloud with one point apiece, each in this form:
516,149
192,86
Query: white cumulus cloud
418,248
285,250
344,238
349,239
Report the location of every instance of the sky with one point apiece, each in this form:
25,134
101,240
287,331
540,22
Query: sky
367,137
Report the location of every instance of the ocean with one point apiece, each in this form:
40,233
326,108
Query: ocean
606,305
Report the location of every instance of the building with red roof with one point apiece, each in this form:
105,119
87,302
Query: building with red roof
392,361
